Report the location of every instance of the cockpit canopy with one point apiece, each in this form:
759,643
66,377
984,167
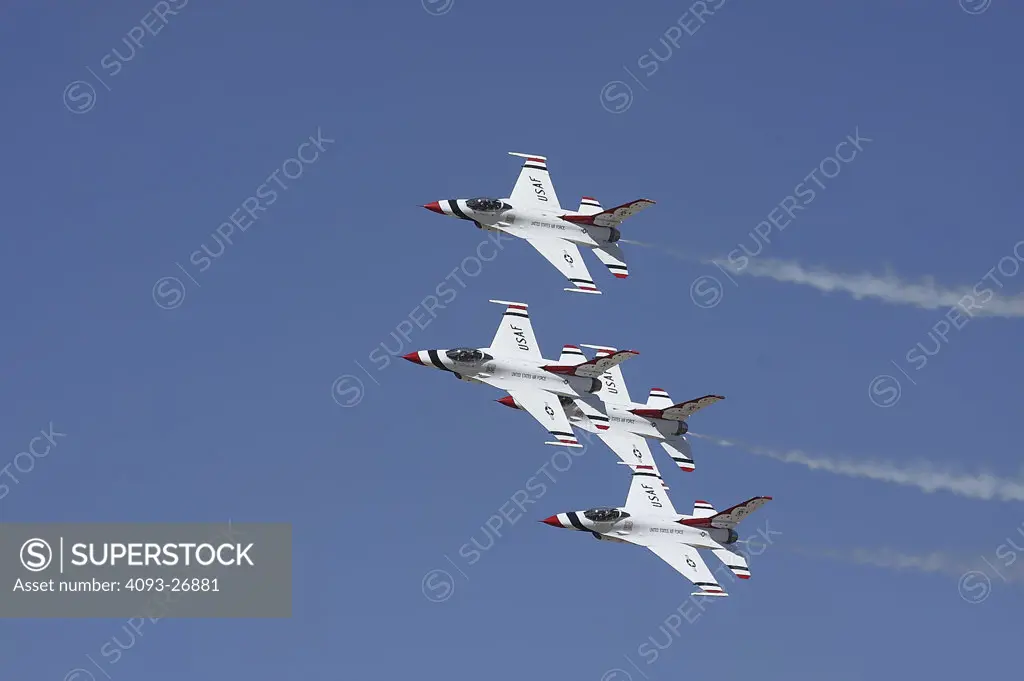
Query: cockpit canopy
604,515
467,355
733,537
485,205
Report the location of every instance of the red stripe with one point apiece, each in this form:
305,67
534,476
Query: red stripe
517,307
535,159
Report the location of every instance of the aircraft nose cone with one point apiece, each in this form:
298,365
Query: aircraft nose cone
435,206
552,521
413,357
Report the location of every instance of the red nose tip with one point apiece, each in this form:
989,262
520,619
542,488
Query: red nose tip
413,357
435,206
552,521
508,401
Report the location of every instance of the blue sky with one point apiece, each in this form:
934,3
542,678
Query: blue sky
222,407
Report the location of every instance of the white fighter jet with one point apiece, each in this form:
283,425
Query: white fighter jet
513,363
532,212
624,425
648,519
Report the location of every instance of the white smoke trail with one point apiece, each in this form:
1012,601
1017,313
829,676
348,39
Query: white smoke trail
887,288
890,289
923,475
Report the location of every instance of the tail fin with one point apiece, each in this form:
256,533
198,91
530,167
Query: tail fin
658,399
614,390
593,368
614,259
589,206
729,518
612,217
571,356
681,411
734,561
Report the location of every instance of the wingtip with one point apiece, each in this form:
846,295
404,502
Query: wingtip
564,444
508,302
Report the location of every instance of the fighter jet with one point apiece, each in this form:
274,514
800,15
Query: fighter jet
648,519
532,212
624,425
514,364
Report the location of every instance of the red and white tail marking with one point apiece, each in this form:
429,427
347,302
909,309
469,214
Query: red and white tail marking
589,206
571,356
593,368
614,259
681,411
734,561
612,217
728,518
679,451
658,399
703,509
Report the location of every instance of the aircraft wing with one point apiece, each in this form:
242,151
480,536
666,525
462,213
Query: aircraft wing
566,258
515,333
631,449
534,187
687,561
548,411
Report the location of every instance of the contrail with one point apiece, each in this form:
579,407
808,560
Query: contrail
923,475
888,288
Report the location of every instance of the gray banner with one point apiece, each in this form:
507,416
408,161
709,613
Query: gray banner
222,570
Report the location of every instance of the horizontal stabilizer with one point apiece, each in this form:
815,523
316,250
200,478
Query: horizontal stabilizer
734,561
679,412
715,594
729,518
593,368
612,217
679,451
582,290
614,259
